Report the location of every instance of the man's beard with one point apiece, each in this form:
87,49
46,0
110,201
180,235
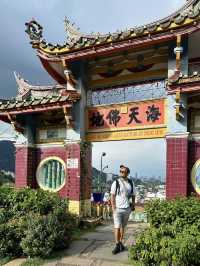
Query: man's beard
124,177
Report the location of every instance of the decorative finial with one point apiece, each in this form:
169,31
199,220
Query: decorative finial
73,33
34,30
23,85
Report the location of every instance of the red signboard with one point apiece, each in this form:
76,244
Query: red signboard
147,114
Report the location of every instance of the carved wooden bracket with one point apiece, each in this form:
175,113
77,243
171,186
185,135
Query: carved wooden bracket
70,80
15,124
178,50
68,117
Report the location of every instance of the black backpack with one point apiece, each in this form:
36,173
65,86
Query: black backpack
117,191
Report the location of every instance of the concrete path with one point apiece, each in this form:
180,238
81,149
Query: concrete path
95,248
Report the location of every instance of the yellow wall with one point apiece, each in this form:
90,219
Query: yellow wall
81,208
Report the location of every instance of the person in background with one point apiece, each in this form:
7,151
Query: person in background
123,202
107,203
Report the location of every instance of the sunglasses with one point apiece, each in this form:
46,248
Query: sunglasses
122,171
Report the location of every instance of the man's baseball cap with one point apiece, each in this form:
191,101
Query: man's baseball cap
123,166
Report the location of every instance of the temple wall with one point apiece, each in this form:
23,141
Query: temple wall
177,136
177,132
177,151
183,151
32,151
78,183
177,166
45,151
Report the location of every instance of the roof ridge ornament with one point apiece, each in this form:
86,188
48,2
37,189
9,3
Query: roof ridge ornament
184,20
73,33
23,85
26,90
35,31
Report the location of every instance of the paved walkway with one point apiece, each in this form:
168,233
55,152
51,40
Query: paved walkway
95,248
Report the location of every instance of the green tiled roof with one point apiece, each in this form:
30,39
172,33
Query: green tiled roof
8,105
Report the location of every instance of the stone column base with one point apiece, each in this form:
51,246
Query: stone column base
86,207
81,208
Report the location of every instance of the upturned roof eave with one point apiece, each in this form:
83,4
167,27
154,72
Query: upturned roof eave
186,16
17,106
35,109
109,48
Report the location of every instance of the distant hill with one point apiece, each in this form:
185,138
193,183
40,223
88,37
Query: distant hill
6,178
96,176
7,156
96,173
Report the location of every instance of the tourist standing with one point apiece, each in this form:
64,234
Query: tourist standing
123,202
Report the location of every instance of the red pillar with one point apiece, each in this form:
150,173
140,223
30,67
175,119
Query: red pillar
74,174
86,174
24,166
177,166
79,179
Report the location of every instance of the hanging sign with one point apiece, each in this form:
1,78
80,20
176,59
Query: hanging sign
145,119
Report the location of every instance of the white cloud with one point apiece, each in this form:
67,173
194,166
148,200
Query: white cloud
6,131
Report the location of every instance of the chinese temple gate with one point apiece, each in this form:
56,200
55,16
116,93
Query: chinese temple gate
141,83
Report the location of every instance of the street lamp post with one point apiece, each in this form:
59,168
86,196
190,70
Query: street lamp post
102,174
102,155
105,167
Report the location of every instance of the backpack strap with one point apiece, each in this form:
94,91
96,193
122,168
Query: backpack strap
117,190
131,184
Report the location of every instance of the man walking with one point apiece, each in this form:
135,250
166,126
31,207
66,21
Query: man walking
123,202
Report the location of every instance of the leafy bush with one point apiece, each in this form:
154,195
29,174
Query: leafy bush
44,234
184,210
4,216
4,195
161,246
33,222
25,200
9,240
174,234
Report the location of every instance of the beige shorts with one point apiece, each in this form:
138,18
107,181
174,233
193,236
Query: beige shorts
120,217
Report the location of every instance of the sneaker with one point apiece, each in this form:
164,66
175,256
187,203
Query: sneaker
122,247
117,249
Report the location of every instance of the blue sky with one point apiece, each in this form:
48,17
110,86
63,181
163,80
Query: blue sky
103,16
146,157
